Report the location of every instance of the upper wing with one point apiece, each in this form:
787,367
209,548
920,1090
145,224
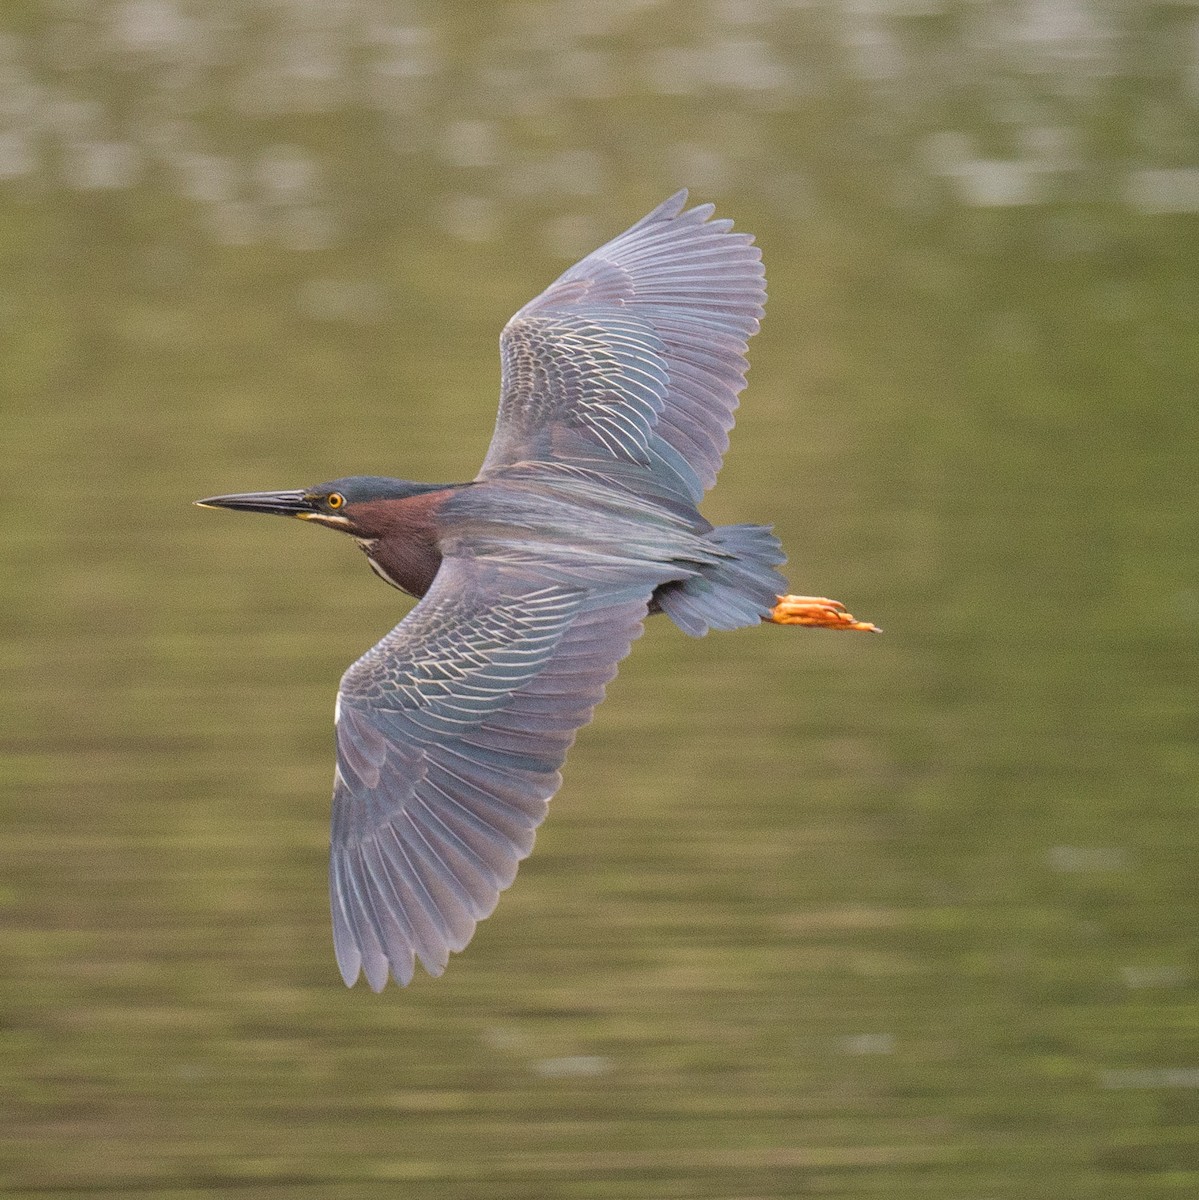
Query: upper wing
637,353
450,735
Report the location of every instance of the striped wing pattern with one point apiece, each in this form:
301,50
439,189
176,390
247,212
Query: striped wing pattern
637,353
450,736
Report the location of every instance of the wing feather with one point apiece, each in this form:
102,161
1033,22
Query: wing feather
450,735
636,354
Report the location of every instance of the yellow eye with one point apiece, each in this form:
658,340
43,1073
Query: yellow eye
335,500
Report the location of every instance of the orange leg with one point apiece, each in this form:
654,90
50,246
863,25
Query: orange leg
818,612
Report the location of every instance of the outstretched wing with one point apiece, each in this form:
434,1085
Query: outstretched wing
450,735
637,353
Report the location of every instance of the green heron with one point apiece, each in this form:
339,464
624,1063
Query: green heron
617,396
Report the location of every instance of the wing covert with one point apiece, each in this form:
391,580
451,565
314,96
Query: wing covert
637,353
450,735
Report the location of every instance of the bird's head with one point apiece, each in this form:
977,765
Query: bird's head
356,505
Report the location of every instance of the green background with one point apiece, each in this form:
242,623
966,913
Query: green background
814,914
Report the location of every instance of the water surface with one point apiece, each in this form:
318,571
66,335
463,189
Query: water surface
909,916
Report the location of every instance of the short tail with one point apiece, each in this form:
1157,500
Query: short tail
732,592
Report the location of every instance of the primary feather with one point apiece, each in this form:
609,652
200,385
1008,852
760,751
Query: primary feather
637,353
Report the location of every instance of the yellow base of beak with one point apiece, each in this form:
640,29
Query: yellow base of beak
818,613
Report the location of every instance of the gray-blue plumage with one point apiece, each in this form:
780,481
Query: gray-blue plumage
618,391
619,385
445,770
637,353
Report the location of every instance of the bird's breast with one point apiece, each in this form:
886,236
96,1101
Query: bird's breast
409,565
399,538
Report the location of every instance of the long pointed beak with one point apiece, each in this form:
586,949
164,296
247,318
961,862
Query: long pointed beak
280,504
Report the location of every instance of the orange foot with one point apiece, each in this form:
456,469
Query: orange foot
817,611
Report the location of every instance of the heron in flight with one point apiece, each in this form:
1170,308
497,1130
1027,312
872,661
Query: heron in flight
617,396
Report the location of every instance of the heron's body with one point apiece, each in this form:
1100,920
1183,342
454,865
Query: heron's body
619,387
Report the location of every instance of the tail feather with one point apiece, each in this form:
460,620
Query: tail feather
738,589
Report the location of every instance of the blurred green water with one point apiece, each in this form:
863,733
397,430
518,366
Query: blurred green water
901,916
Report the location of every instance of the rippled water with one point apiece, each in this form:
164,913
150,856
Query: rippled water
900,916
